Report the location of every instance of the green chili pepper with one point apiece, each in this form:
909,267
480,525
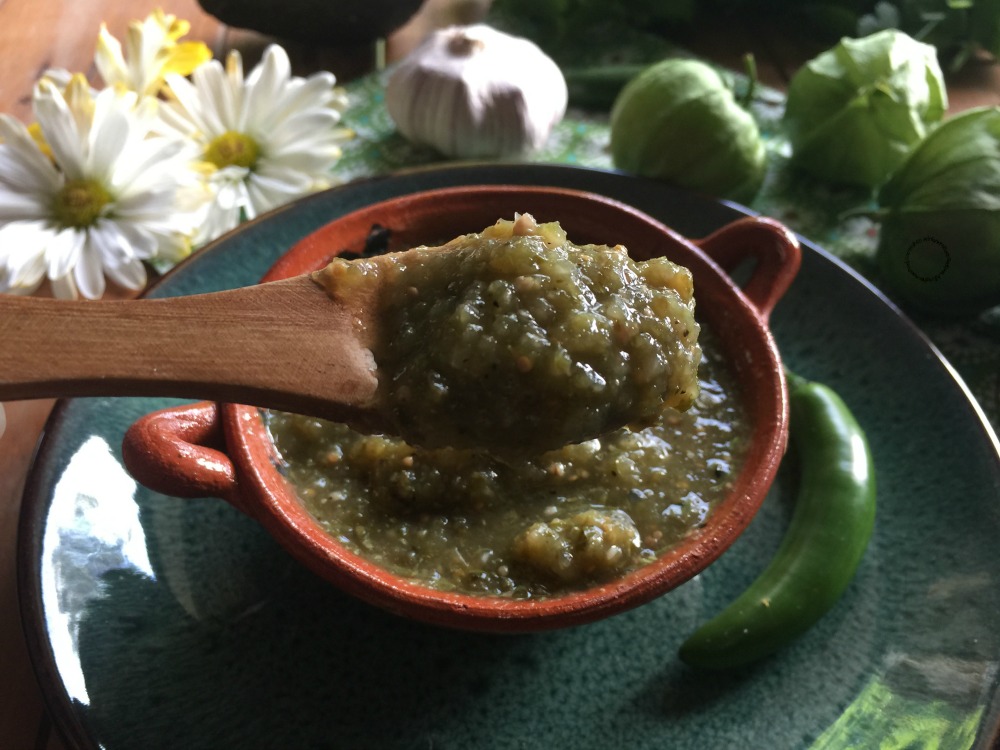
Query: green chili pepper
831,524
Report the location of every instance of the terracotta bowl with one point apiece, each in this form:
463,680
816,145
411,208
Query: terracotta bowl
224,450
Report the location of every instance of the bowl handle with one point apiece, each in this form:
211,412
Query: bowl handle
180,452
771,244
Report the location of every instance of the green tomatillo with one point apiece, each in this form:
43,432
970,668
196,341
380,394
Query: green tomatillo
678,121
939,243
855,111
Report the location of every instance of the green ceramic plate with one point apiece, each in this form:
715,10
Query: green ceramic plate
159,622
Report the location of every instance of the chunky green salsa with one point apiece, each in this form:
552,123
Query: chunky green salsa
519,341
464,520
520,334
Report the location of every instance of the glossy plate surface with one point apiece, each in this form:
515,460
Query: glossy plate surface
159,622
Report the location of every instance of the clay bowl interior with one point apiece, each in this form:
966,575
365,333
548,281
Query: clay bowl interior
738,318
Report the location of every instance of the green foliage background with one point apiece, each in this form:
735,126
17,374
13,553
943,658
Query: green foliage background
958,28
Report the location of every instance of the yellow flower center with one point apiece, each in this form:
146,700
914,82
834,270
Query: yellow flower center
80,202
233,149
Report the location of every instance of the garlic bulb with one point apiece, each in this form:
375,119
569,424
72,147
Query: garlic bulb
473,91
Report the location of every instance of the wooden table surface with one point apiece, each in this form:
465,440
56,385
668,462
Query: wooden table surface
39,34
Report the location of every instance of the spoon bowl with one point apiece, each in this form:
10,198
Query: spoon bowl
224,449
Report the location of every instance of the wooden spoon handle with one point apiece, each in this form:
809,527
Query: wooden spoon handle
283,345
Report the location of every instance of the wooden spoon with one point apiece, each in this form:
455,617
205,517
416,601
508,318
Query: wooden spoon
303,345
284,345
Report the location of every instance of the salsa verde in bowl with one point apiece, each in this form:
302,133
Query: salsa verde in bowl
571,549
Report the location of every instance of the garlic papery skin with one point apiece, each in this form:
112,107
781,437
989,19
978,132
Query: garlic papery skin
474,92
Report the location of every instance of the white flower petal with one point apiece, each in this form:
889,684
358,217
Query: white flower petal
89,273
244,201
131,241
259,200
107,142
21,242
108,58
59,76
147,205
172,245
149,162
174,120
146,111
130,274
25,175
20,206
63,252
111,100
188,106
321,168
59,126
325,139
273,71
228,185
21,147
226,101
12,129
29,274
316,164
65,287
108,242
311,124
282,178
7,287
264,86
183,223
234,70
267,195
218,220
209,79
315,92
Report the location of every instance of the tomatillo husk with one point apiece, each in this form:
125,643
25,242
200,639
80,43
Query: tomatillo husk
854,112
679,122
939,243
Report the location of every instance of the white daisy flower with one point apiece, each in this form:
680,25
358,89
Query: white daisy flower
151,51
94,195
264,140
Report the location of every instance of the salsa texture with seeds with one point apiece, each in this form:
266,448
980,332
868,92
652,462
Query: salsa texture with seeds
517,340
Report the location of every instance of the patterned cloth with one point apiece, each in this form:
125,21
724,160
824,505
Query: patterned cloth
815,211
